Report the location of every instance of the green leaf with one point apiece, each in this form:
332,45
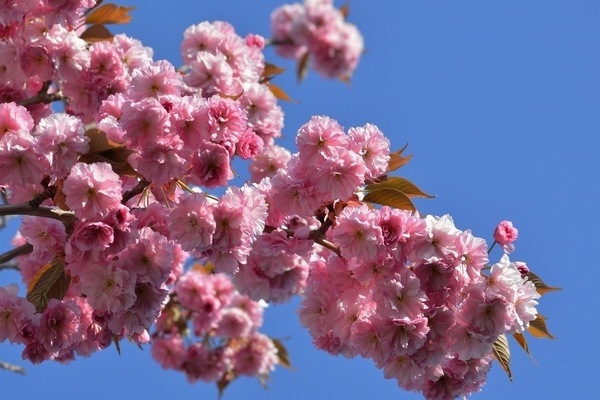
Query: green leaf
50,282
502,354
403,185
302,67
537,328
540,286
390,197
109,14
282,353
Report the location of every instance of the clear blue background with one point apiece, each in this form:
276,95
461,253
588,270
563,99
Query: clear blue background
499,102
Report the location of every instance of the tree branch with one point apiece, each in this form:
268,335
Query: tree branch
42,97
12,264
17,251
131,193
28,208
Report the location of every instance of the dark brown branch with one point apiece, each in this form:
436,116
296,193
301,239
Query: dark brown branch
314,235
131,193
48,193
17,251
12,264
66,217
42,97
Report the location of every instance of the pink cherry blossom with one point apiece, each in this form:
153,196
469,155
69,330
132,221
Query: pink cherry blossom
92,190
192,223
505,234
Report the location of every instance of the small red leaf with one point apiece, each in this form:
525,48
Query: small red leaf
537,328
96,33
279,92
109,14
401,184
272,70
540,286
302,67
390,197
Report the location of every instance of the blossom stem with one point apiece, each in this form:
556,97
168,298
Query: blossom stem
491,247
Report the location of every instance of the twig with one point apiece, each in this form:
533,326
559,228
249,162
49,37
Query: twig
12,264
131,193
12,368
17,251
42,97
314,235
66,217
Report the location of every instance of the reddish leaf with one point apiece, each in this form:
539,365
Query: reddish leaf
109,14
272,70
537,328
302,67
104,150
540,286
520,338
96,33
390,197
502,354
397,160
403,185
117,343
345,10
50,282
282,353
225,380
278,92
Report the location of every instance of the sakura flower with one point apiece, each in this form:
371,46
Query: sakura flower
505,234
92,190
191,222
357,233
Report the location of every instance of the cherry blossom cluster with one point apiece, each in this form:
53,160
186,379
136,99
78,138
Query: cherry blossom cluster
319,31
101,184
115,194
416,295
225,324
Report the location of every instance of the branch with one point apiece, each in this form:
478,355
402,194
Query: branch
42,97
27,208
17,251
324,242
131,193
12,368
12,264
279,42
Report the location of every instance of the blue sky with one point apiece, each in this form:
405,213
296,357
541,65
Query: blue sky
498,101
